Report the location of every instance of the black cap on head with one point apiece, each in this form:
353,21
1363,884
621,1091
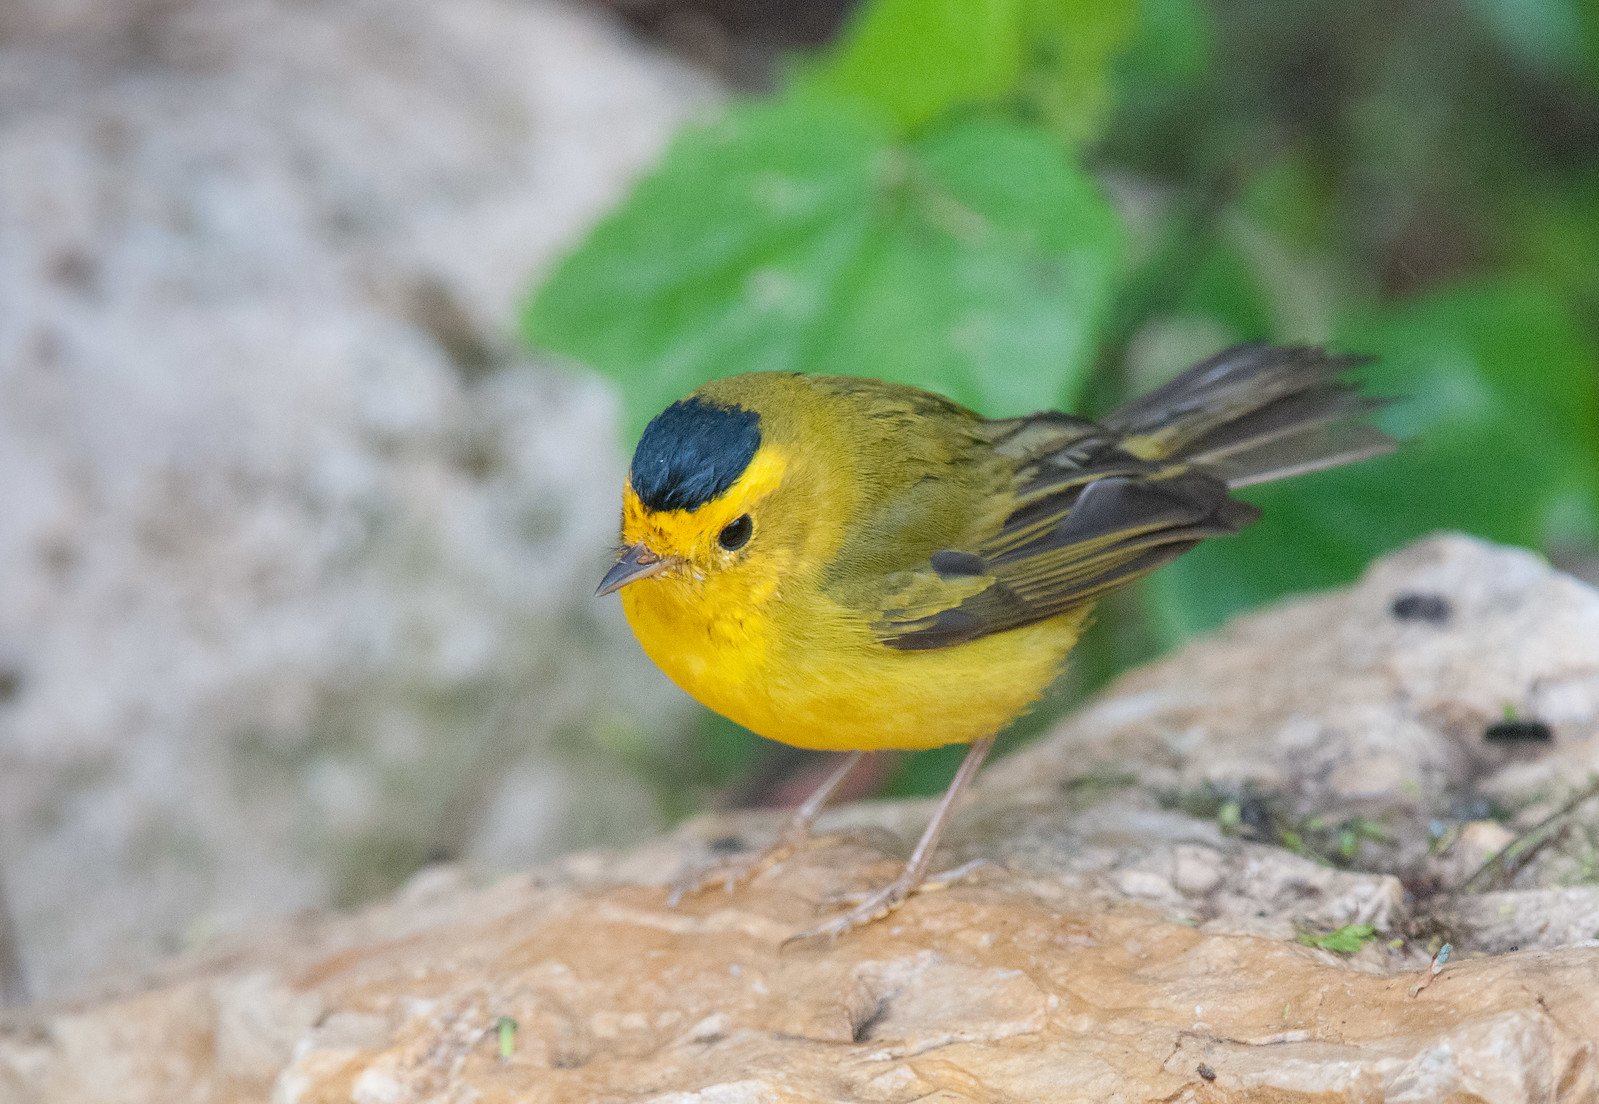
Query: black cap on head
693,451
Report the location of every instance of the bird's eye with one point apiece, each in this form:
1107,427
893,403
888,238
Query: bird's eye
736,533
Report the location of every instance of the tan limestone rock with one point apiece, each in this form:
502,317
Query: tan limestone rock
1119,945
1008,988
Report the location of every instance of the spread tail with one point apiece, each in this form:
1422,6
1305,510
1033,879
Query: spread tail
1254,413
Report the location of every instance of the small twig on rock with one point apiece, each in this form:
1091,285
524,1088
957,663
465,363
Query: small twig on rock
1521,842
1435,968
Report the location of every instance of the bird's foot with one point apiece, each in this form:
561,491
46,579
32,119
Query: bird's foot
730,872
933,883
878,904
874,906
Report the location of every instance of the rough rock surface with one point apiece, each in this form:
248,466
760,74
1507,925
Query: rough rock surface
1457,687
1120,949
1013,990
286,524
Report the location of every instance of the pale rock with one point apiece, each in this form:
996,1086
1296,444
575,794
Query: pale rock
1198,870
258,1021
291,531
1485,838
1527,919
1144,883
1375,717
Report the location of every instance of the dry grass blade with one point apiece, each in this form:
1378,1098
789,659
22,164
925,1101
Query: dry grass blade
1530,839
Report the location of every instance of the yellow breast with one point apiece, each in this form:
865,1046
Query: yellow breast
823,681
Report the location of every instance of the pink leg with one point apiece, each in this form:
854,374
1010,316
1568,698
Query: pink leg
892,896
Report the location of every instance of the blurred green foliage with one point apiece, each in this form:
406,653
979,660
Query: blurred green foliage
1034,203
810,235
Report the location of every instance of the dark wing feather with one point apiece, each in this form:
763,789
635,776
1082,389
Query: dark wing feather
1094,507
1103,519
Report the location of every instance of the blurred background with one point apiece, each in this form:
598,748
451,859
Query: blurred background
326,327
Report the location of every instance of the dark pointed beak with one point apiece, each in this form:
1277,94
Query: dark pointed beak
636,562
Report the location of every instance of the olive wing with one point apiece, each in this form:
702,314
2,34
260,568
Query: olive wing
1086,516
1093,507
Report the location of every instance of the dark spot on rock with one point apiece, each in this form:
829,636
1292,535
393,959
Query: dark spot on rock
1434,609
10,684
47,348
1206,1072
59,555
726,845
1518,732
540,523
479,455
863,1028
1255,814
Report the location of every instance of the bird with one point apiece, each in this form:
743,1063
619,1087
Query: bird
843,563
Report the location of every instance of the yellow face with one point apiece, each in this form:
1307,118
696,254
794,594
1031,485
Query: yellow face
729,522
717,537
711,569
697,585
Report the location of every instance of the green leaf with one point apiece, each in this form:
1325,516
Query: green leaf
1590,37
917,59
723,259
1224,286
1546,35
1346,940
1554,230
1500,406
1164,93
1172,49
988,275
978,262
1294,200
926,773
1072,48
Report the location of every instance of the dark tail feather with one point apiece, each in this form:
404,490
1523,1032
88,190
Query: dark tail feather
1254,413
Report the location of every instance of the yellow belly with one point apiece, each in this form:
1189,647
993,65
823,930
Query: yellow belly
828,684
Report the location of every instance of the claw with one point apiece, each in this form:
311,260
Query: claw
874,907
914,876
934,883
731,872
947,878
